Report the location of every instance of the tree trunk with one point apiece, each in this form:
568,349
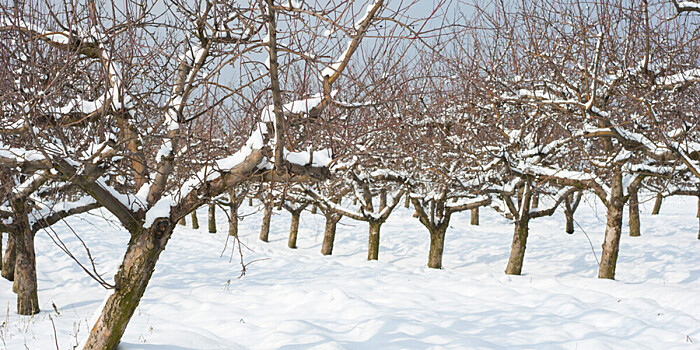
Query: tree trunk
265,227
195,221
407,201
212,218
233,218
131,281
382,199
373,248
294,230
657,204
535,201
517,249
569,221
698,215
613,230
329,234
183,221
8,263
475,216
1,234
437,246
634,213
25,283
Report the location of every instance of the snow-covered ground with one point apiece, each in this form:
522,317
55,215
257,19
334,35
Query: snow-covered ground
298,299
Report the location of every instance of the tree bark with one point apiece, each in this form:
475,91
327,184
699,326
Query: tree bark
373,247
475,216
437,246
329,233
195,221
183,221
25,283
569,221
212,218
613,230
131,280
517,249
8,263
233,218
535,201
294,230
265,227
634,213
657,204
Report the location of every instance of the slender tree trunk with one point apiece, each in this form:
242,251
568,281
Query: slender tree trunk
634,213
437,246
212,218
233,218
314,209
8,263
569,221
294,229
407,201
382,199
183,221
131,280
329,233
517,249
373,247
535,201
657,204
25,283
613,230
265,227
475,216
195,221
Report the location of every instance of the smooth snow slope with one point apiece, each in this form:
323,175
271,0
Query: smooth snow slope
298,299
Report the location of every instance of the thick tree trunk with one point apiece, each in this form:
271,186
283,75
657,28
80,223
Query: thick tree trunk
131,282
25,283
613,230
657,204
437,246
265,227
329,234
373,247
8,262
195,221
569,221
517,249
212,218
233,219
475,216
294,229
634,213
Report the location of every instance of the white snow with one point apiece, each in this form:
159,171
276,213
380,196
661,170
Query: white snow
299,299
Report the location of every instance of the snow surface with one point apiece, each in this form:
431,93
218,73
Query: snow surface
298,299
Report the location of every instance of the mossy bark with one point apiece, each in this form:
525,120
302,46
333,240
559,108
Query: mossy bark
8,262
265,227
437,246
131,281
212,218
634,213
294,230
613,230
373,246
329,233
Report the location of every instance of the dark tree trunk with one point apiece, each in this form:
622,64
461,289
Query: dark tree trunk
265,227
329,233
437,246
382,199
233,218
634,213
294,229
131,280
517,249
195,221
212,218
569,221
657,204
613,230
475,216
373,247
8,262
25,283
